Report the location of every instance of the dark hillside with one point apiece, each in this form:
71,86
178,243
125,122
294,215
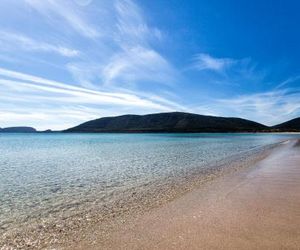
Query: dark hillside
168,122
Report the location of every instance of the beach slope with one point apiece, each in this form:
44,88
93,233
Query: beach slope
258,208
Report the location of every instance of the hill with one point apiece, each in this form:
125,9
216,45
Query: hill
292,125
18,130
168,122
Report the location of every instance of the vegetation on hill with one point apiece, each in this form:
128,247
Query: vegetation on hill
168,122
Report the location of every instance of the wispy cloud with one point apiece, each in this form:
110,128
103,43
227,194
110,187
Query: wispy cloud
65,10
288,81
115,60
131,25
264,107
228,71
207,62
9,41
124,38
13,41
138,63
130,54
28,91
82,95
116,44
136,59
85,73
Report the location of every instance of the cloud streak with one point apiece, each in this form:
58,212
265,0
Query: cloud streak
28,90
77,94
264,107
53,9
136,64
11,41
131,25
207,62
136,60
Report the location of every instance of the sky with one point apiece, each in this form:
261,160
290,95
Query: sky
63,62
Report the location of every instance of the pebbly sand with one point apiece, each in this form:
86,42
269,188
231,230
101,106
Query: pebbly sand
254,208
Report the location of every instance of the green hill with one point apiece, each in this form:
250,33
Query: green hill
292,125
168,122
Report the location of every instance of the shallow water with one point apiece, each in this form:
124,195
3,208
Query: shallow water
57,175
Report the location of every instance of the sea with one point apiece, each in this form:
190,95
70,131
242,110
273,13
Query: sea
57,175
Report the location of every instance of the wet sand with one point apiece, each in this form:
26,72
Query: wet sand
254,208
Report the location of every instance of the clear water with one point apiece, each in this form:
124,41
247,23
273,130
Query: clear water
44,175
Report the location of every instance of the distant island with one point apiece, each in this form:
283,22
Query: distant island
172,122
18,130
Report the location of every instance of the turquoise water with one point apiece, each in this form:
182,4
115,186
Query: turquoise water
48,175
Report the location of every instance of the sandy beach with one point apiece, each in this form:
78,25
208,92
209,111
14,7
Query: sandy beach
250,201
254,208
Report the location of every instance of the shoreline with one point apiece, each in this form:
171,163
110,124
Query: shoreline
74,230
255,208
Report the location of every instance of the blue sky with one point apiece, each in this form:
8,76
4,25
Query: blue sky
63,62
